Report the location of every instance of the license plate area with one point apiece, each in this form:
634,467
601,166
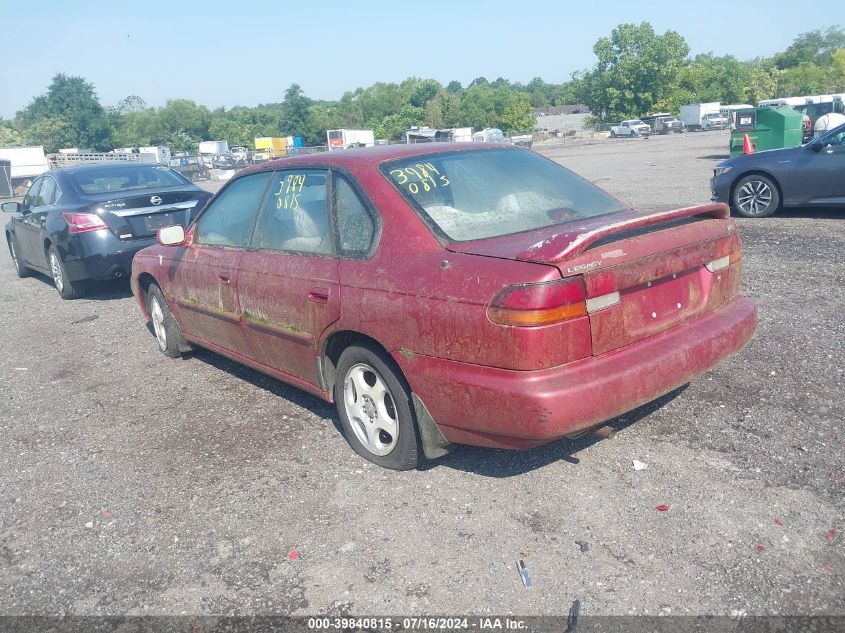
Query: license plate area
649,308
154,222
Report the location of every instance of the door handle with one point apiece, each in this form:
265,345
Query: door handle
224,279
319,295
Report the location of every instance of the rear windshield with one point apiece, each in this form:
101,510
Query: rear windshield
127,178
473,195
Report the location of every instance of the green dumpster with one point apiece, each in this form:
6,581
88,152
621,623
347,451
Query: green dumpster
767,128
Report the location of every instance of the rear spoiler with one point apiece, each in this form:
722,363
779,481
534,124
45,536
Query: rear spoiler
581,242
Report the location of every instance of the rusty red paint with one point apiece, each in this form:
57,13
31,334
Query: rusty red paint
760,548
483,383
830,535
778,522
662,508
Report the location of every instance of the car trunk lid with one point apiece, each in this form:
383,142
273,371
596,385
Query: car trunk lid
643,273
140,215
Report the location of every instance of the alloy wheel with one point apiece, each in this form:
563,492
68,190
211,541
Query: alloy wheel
370,408
14,255
754,197
158,323
56,270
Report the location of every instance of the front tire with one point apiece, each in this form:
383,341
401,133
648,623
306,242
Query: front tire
755,196
21,270
168,334
612,134
66,288
374,405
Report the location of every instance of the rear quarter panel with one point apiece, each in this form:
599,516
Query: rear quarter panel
415,297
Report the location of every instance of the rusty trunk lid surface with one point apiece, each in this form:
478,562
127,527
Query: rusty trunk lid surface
643,273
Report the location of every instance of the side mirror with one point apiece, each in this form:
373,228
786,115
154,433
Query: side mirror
11,207
171,235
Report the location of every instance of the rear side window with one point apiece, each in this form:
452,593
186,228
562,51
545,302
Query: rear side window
295,214
471,195
355,226
228,219
49,193
31,199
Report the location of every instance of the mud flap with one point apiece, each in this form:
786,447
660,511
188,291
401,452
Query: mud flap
433,443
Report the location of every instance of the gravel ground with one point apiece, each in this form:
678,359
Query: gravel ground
135,484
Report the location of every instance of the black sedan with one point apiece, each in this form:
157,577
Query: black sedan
86,222
756,185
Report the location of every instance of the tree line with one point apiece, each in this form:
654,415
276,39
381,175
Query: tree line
637,71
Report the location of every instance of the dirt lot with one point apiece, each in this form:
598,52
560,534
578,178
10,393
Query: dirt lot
136,484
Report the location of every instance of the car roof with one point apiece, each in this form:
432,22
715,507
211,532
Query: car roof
375,155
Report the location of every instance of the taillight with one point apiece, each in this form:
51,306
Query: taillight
539,303
84,222
730,251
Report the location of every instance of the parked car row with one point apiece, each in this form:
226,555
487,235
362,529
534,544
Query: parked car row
662,123
437,294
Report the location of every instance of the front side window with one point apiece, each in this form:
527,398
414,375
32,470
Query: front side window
355,226
471,195
228,219
295,214
837,140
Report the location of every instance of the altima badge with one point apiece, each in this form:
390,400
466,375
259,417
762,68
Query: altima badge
155,200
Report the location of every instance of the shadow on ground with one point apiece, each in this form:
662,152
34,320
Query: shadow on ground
487,462
97,291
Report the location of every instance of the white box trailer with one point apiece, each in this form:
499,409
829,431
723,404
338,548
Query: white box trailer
343,139
27,162
693,114
161,153
214,148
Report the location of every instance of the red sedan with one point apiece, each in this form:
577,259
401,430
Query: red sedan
447,294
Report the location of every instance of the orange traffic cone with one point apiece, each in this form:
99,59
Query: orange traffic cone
747,147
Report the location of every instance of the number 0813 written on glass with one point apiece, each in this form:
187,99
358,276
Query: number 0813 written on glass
423,176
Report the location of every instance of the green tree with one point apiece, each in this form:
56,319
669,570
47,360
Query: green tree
74,101
53,133
9,135
517,115
636,69
424,93
183,115
296,118
815,47
132,103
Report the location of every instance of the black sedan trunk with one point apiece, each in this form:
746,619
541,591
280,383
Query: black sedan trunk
140,215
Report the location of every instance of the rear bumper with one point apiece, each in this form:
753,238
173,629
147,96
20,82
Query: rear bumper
101,255
501,408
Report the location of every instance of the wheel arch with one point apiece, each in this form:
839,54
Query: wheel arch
145,280
333,347
434,443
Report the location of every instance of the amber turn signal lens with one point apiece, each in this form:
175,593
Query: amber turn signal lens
504,316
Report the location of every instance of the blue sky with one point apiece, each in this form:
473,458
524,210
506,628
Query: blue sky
248,52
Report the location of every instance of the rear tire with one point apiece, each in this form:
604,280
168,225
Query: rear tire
168,334
21,270
755,196
66,288
374,405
